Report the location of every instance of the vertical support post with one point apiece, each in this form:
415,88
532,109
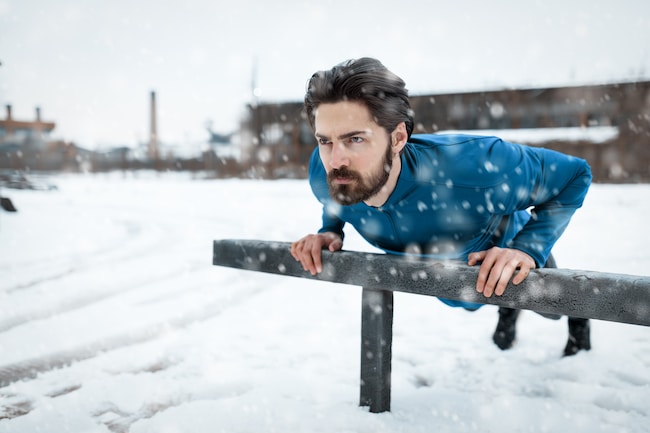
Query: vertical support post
376,349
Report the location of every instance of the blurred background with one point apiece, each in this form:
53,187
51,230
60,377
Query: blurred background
216,87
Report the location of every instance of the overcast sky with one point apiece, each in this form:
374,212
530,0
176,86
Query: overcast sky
91,64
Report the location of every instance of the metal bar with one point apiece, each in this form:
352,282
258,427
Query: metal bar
376,349
587,294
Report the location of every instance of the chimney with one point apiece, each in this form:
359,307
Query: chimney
8,112
153,136
38,114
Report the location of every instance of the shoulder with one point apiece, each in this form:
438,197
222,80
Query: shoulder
460,158
443,139
456,143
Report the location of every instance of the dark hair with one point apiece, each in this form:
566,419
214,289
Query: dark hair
365,80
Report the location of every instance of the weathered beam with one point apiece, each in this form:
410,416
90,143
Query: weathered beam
376,349
587,294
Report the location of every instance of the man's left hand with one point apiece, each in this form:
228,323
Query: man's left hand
498,265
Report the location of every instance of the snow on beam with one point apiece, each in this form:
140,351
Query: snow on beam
587,294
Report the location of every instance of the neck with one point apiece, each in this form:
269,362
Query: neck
381,197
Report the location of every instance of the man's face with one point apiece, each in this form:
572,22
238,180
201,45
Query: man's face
354,149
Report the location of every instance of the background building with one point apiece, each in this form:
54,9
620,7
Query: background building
608,125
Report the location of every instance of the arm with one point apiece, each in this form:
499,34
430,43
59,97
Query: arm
554,185
558,186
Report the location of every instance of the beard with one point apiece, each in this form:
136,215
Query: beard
359,189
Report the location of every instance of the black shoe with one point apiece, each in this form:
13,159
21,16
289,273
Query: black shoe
579,338
505,333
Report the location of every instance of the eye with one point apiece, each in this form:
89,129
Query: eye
356,140
323,141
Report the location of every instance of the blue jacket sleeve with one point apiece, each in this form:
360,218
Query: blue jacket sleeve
553,186
318,183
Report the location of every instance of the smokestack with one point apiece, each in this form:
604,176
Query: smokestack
153,135
8,112
38,114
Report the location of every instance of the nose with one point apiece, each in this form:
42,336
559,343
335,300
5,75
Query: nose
339,157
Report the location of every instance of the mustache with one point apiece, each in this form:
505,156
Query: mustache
343,173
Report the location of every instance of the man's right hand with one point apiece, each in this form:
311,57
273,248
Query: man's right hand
307,250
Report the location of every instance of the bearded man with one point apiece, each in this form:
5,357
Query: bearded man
478,199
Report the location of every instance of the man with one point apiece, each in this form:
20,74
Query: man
446,196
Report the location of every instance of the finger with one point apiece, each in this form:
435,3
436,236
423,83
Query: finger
483,273
494,273
336,245
297,247
315,256
303,254
524,271
307,262
294,250
504,278
476,257
499,275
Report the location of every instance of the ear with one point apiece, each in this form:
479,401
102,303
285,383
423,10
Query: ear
399,136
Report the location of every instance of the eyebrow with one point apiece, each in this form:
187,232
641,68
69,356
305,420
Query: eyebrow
346,135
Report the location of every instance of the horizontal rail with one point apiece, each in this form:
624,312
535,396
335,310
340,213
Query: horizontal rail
586,294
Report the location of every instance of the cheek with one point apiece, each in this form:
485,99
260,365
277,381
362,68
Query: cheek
370,160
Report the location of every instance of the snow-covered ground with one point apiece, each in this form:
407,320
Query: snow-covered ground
115,270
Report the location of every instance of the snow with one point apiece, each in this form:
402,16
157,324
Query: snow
591,134
116,269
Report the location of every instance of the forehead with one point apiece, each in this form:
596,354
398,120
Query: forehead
332,117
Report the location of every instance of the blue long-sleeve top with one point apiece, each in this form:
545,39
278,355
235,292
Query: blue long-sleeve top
458,194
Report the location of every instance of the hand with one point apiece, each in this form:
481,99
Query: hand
498,266
307,250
